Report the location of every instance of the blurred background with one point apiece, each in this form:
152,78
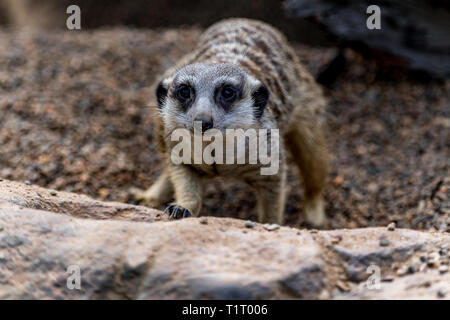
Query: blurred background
415,32
76,106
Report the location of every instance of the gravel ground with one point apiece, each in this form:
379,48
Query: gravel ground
76,115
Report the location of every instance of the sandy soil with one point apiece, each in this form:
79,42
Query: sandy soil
76,115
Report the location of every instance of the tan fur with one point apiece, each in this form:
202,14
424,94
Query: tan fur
296,107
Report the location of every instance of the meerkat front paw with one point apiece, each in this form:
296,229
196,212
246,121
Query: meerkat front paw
145,197
177,212
151,197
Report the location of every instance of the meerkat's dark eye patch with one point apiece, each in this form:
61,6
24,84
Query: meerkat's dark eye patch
185,94
161,94
260,98
226,94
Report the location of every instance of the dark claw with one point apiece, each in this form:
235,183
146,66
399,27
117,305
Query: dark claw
168,208
186,214
177,212
174,212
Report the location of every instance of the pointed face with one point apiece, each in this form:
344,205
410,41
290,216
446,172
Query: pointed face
221,96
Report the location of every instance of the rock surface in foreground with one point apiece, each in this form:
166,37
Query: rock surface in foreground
208,258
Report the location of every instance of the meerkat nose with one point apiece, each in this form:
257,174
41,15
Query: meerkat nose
207,122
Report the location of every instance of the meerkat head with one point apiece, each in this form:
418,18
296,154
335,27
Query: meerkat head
221,96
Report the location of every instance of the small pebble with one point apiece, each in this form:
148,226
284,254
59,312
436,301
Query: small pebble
203,220
443,269
28,183
53,193
391,226
443,252
442,227
1,228
336,239
433,259
338,180
249,224
411,269
423,258
342,286
271,227
402,271
388,279
440,294
383,241
324,295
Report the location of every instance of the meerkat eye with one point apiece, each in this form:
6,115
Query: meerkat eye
183,92
228,94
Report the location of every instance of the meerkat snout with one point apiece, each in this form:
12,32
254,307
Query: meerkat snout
203,112
206,120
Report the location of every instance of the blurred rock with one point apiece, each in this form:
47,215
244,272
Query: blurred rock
429,286
416,31
360,248
51,14
186,258
80,206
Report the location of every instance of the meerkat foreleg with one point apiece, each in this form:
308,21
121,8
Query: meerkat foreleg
188,192
159,193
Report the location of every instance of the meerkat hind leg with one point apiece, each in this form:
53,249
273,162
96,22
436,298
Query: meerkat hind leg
271,196
159,193
270,205
308,147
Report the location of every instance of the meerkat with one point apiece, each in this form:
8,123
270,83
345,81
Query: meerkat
242,74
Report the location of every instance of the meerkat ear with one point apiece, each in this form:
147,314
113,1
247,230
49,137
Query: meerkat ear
161,94
260,98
